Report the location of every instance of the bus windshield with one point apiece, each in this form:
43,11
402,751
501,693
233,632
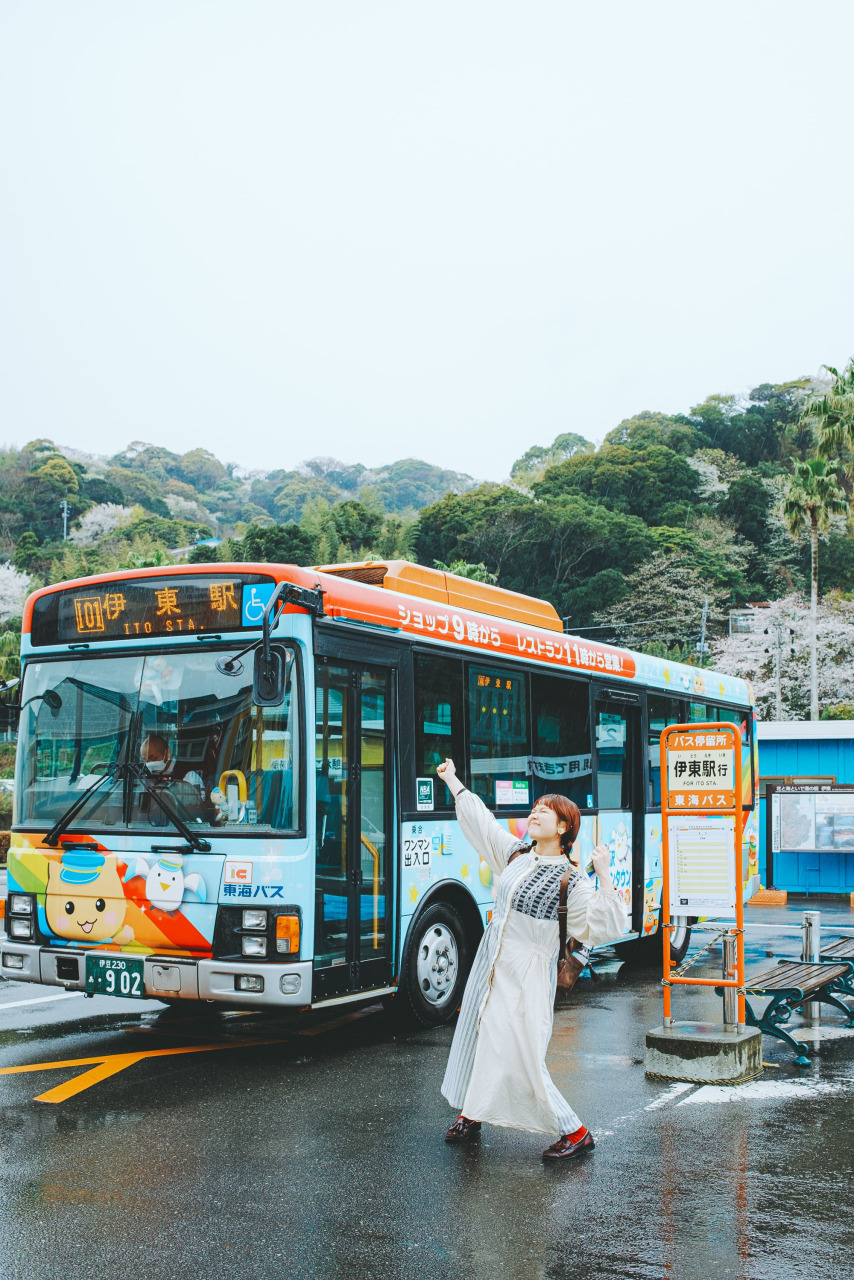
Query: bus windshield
220,762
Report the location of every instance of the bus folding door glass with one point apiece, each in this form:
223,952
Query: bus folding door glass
613,766
499,748
75,719
661,712
743,720
373,898
438,719
561,760
332,759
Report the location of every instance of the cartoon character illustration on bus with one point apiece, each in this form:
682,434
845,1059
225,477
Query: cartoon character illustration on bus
85,899
166,883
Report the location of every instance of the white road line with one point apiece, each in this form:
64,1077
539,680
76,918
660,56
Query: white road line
62,995
680,1087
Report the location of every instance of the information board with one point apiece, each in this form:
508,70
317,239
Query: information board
702,864
813,821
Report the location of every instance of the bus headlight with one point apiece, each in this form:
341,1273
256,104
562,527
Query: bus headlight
254,946
20,904
21,928
254,919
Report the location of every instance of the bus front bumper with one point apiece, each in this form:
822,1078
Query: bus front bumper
166,977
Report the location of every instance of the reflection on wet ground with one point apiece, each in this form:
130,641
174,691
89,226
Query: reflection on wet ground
322,1155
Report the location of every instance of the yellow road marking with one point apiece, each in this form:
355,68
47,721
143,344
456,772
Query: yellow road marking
110,1064
104,1065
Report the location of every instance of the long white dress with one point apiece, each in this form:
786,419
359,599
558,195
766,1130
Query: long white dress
496,1070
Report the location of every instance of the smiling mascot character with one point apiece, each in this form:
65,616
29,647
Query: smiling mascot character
85,900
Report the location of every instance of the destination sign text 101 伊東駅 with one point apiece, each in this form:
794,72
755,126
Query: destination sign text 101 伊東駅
125,610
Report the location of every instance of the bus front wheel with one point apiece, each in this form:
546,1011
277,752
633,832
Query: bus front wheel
435,966
647,951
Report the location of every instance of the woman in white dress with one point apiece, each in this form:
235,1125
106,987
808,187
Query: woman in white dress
496,1071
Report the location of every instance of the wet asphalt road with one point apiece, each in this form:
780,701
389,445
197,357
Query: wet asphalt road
320,1152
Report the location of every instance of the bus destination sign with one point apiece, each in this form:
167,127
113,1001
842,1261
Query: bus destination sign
127,610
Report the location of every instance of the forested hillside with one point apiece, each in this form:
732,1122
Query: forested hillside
671,514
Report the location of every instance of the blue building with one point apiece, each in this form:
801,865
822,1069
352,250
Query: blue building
799,753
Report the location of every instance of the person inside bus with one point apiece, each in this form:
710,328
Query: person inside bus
496,1071
162,765
182,783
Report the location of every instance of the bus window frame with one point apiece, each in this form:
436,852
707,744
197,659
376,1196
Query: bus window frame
645,731
290,643
506,810
683,701
599,692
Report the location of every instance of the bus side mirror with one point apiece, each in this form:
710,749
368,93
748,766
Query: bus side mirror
268,678
10,707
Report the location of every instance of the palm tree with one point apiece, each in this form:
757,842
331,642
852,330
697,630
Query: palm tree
813,496
831,414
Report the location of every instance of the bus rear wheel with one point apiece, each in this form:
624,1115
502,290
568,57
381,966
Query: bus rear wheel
646,952
435,967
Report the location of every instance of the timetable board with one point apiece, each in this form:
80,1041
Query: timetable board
702,864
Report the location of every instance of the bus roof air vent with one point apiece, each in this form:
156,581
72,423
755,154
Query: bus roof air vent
449,589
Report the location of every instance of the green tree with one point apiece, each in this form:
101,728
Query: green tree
813,496
830,413
280,544
654,484
200,469
647,429
462,569
535,461
26,551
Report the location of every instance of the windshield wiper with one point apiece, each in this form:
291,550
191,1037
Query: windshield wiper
64,821
138,771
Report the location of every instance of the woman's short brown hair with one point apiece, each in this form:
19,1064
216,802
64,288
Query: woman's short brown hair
567,811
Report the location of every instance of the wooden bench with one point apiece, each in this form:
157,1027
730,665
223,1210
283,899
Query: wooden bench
836,952
790,985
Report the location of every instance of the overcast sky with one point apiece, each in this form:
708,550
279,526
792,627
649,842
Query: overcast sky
447,229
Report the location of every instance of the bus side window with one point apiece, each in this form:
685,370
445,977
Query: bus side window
438,720
499,746
661,712
561,760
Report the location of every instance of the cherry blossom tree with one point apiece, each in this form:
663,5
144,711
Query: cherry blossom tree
752,656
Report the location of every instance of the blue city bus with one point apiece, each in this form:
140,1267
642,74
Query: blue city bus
226,779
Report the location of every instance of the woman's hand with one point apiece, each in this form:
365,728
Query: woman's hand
448,774
602,864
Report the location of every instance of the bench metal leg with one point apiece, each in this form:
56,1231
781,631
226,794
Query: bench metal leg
778,1011
825,997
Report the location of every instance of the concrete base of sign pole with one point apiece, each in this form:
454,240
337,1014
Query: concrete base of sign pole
703,1053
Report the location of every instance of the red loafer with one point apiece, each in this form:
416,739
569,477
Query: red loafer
565,1148
463,1130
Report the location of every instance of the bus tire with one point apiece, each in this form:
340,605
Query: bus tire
646,952
435,967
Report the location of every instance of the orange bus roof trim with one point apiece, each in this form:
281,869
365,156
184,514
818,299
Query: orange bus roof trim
451,589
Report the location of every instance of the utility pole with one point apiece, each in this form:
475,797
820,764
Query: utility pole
777,628
63,506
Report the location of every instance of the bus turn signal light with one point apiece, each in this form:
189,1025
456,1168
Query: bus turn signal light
287,934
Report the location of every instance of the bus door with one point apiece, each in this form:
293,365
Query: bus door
619,794
355,787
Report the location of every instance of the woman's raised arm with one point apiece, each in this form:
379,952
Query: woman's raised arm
483,831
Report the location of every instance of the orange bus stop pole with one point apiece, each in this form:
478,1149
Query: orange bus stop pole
665,881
